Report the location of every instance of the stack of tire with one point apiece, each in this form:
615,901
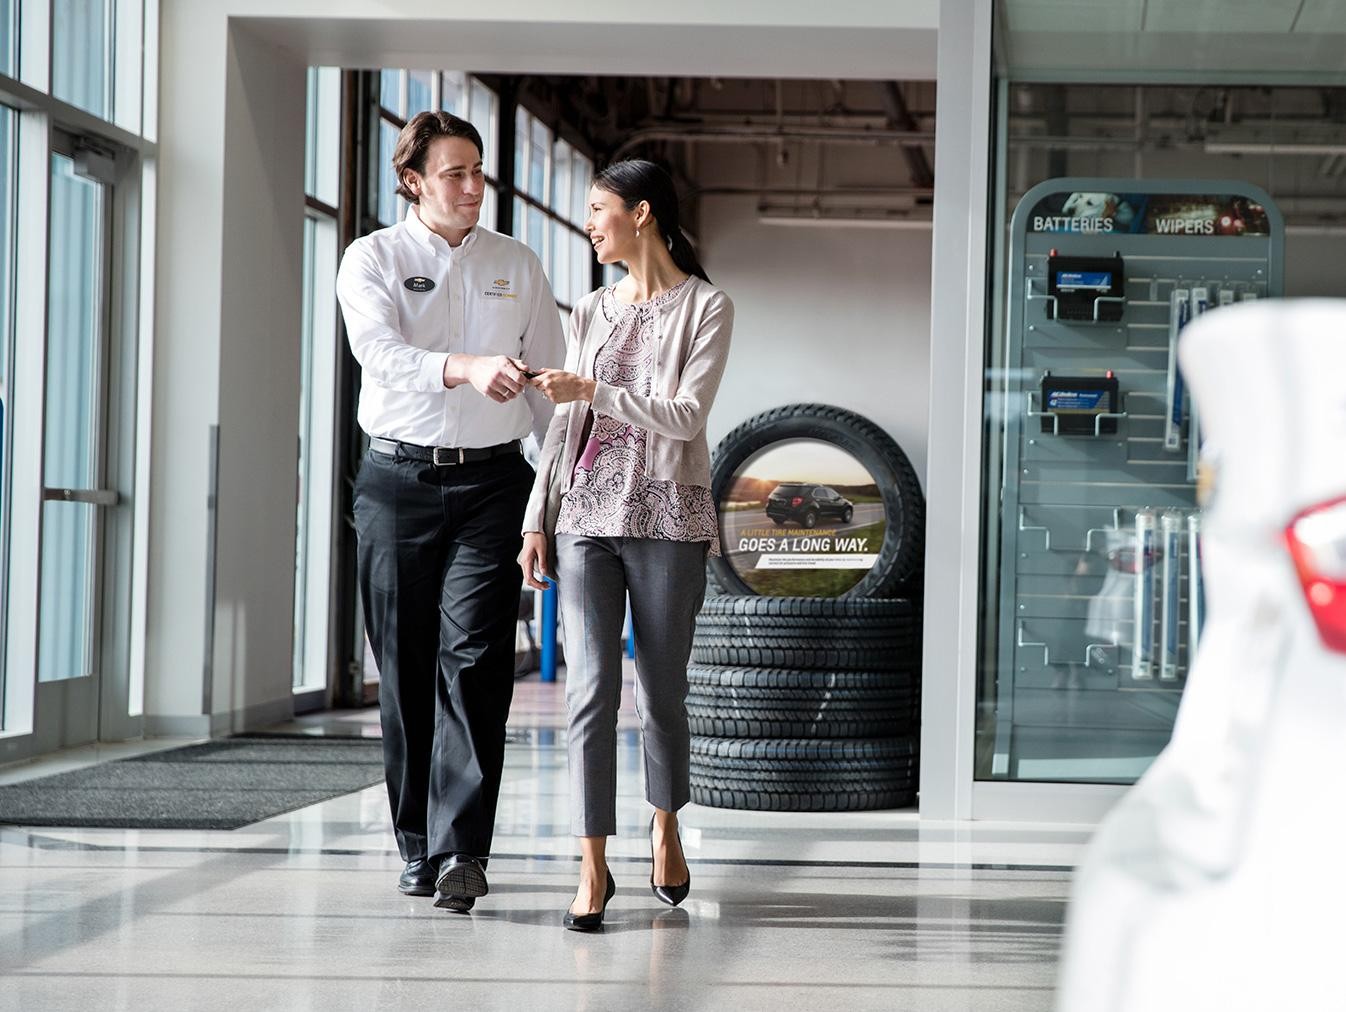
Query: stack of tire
812,704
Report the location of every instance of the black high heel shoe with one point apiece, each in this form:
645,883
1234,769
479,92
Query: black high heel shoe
593,921
675,894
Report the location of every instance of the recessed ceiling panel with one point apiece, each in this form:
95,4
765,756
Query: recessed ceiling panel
1073,16
1158,57
1220,16
1176,40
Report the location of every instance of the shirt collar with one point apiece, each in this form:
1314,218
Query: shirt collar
432,241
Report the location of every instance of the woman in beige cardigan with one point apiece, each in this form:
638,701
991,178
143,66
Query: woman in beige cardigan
622,505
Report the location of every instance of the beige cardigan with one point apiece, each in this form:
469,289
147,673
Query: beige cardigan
692,330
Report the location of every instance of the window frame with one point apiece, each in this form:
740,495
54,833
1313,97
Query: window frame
397,118
558,212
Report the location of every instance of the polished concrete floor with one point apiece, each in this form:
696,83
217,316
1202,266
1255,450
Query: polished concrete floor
875,910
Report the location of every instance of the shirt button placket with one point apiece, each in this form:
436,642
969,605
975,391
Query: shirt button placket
454,405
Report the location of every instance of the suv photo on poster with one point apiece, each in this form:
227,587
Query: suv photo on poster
802,518
804,504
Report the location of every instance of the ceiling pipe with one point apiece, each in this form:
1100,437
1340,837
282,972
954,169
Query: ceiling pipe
749,133
836,191
876,117
1336,230
755,133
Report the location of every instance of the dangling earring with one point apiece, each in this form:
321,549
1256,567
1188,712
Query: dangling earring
637,233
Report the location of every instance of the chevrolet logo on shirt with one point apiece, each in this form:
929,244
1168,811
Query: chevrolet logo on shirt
500,289
418,284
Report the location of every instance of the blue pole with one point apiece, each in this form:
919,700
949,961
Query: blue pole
629,632
547,632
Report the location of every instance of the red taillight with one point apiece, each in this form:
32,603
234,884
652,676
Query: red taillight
796,500
1317,541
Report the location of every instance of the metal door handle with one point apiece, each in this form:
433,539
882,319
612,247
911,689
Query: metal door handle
93,496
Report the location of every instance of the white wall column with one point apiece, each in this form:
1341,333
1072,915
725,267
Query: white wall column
228,301
186,364
957,326
261,324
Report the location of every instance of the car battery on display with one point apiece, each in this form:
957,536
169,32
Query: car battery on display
1079,405
1086,289
1096,524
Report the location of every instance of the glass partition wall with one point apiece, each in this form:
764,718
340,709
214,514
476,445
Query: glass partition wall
1168,201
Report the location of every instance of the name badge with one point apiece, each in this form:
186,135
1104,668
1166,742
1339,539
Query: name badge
418,284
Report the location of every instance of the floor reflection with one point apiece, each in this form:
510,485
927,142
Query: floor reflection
862,910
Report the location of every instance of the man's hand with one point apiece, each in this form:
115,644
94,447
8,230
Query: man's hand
561,387
497,377
533,559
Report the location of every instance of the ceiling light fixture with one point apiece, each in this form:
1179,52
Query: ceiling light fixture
842,218
1272,148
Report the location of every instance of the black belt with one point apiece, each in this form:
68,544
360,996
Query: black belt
442,456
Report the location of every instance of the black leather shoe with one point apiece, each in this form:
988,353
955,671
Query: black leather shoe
672,895
593,921
462,875
417,878
461,880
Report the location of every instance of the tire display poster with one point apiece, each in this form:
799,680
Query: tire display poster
802,518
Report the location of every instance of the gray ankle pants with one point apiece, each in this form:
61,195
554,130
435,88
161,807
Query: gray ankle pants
667,583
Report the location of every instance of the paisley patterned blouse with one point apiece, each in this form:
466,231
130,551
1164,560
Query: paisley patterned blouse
610,496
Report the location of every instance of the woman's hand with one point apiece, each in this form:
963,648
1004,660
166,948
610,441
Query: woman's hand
533,559
561,387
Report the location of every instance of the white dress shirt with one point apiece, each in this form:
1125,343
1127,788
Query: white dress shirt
410,300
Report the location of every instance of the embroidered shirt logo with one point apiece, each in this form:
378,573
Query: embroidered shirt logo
500,289
418,284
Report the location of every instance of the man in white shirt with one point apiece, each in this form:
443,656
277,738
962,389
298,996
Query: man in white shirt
446,320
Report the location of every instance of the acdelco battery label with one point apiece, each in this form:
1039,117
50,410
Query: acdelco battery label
1076,400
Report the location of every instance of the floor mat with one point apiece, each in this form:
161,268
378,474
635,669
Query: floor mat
221,784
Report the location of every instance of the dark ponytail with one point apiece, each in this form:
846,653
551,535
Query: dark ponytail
684,256
635,180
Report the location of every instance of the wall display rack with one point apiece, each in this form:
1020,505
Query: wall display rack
1099,604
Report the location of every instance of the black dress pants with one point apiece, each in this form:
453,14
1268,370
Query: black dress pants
440,585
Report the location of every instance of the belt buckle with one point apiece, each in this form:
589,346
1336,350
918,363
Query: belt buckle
435,458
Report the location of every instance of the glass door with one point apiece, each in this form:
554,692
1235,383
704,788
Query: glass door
75,499
8,190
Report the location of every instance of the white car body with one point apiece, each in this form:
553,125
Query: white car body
1219,881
